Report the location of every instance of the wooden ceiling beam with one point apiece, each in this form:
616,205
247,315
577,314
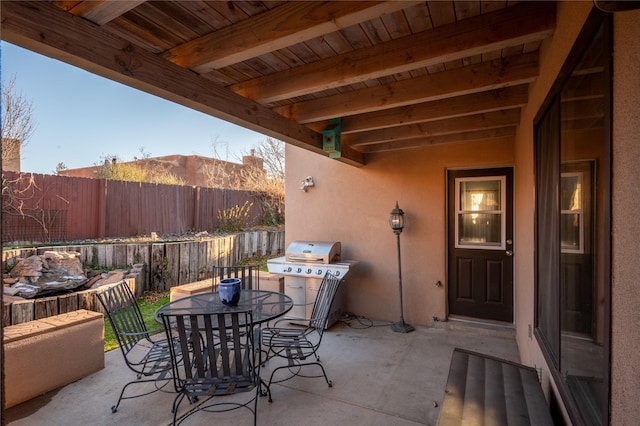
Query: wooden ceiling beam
275,29
490,120
504,132
500,73
99,12
523,23
459,106
42,27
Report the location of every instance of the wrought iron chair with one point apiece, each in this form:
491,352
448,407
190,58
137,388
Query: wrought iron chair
145,353
222,360
248,274
299,345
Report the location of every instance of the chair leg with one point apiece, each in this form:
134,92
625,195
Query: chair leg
299,366
176,403
264,390
324,373
114,408
255,406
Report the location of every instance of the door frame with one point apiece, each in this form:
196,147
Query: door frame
510,208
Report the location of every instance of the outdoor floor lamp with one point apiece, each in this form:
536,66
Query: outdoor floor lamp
396,220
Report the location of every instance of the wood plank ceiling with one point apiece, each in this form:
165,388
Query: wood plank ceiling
399,74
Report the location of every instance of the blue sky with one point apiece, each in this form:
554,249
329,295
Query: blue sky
81,118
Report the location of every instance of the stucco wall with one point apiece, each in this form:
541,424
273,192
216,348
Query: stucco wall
625,363
352,205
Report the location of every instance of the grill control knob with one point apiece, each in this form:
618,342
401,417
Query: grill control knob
319,272
299,270
337,273
287,269
309,271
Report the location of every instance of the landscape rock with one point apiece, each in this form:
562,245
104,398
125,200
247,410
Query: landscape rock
111,277
11,291
66,262
51,272
55,272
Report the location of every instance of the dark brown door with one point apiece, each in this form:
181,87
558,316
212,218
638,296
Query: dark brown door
480,243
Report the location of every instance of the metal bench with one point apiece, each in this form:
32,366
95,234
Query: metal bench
484,390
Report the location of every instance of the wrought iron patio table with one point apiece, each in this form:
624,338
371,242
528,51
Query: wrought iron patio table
264,305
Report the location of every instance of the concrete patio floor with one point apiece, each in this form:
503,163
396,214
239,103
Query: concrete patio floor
380,378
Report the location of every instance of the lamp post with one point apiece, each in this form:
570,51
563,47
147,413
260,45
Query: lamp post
396,221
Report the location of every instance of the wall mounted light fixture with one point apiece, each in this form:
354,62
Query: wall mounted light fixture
307,183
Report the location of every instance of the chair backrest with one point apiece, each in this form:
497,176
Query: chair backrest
220,351
248,274
324,299
124,315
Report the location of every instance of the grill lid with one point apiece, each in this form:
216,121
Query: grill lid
313,251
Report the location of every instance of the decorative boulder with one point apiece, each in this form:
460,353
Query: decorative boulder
51,272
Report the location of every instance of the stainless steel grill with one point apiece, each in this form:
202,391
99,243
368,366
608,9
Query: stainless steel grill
311,259
304,265
313,251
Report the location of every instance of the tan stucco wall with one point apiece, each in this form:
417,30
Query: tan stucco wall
74,347
625,365
352,205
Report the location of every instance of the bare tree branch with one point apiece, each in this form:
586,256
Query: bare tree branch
262,174
18,197
267,182
17,124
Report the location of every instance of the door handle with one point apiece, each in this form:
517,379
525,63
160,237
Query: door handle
509,252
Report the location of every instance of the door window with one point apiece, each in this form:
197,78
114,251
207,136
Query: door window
480,212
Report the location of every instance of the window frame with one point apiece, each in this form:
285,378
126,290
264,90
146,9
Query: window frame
580,212
593,23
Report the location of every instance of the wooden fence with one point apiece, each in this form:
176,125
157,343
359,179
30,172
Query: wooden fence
159,266
45,208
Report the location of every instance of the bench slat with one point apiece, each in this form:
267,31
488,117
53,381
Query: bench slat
495,414
514,395
473,408
451,411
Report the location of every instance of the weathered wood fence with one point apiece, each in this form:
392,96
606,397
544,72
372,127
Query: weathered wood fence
157,266
45,209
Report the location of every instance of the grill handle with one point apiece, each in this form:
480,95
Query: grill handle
306,259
